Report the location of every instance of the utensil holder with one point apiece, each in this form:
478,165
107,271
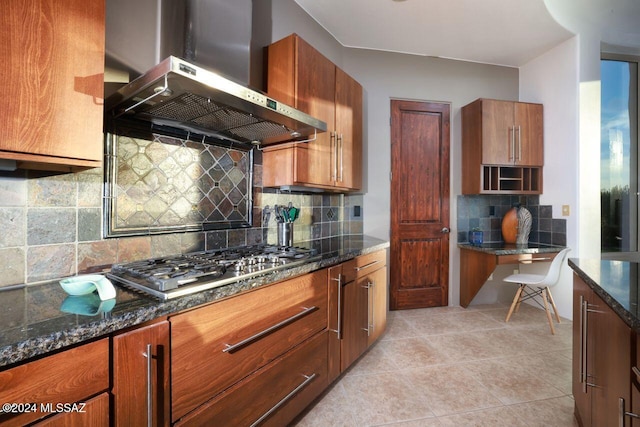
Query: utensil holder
285,234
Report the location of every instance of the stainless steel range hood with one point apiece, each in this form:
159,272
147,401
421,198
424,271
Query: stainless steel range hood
179,94
193,95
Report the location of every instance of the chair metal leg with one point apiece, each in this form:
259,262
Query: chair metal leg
553,304
546,308
516,302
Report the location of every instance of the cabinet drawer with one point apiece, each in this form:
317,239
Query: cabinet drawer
94,413
274,395
66,377
363,265
216,346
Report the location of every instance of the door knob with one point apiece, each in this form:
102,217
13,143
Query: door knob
445,230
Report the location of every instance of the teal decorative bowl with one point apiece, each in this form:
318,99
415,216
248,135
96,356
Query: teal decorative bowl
86,284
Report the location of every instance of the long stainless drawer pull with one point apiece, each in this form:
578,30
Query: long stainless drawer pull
637,372
308,379
232,347
149,357
367,265
583,343
338,330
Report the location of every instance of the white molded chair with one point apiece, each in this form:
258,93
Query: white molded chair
532,285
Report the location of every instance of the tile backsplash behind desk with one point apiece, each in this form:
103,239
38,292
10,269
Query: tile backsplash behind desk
51,225
486,211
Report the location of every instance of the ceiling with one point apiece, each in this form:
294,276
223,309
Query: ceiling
500,32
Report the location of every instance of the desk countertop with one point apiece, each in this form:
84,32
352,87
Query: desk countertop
511,249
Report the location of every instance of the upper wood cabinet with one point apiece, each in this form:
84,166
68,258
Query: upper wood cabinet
502,147
299,75
53,80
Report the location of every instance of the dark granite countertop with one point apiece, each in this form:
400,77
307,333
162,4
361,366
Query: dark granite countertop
616,282
511,249
36,319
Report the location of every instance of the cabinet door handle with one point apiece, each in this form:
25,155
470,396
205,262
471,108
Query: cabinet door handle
230,348
583,343
308,379
149,357
637,372
334,153
512,152
372,308
368,288
519,144
341,142
338,330
622,413
366,265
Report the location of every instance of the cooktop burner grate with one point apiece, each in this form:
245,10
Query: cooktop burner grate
169,277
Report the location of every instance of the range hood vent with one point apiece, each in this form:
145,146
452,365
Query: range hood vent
179,94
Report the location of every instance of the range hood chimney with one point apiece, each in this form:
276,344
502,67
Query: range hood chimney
194,57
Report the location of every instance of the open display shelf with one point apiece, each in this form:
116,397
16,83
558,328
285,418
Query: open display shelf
515,179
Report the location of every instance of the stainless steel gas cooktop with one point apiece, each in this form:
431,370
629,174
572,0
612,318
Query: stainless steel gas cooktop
171,277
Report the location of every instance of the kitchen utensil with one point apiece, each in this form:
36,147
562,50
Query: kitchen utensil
285,234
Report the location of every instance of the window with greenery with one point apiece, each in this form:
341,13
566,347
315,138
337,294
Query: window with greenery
619,155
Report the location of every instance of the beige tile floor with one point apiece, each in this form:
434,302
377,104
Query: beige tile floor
450,366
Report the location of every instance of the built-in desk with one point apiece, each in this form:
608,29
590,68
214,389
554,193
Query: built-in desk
478,262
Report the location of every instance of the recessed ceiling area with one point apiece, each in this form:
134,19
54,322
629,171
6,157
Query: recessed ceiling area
500,32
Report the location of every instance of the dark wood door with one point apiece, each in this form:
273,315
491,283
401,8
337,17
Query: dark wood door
419,204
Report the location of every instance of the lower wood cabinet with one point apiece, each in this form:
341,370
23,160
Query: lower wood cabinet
71,376
141,376
259,357
601,360
273,395
94,412
358,312
216,346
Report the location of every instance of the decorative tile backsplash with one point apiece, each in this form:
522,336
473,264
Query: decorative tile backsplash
486,212
51,225
168,184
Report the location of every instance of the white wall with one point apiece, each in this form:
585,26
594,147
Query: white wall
552,80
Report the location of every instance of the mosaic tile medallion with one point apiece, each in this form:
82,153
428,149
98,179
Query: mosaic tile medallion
167,184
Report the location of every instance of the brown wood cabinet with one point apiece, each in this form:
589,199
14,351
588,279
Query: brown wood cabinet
141,376
94,413
71,376
601,359
52,76
299,75
216,346
502,147
358,314
273,395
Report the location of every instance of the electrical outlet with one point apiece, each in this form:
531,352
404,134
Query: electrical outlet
566,210
516,271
